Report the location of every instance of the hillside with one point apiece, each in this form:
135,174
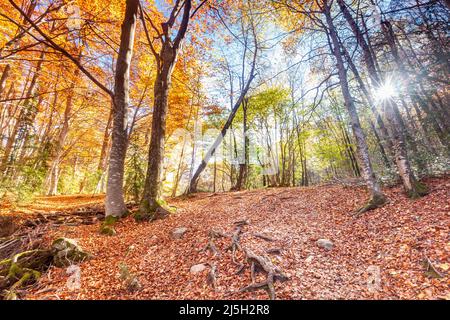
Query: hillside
284,225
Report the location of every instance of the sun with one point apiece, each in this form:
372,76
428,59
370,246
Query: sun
385,91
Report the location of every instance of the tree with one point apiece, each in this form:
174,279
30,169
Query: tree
166,58
376,196
397,128
115,204
245,87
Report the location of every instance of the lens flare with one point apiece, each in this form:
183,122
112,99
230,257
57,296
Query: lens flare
385,91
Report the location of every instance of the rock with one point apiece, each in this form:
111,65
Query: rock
198,268
325,243
67,252
178,233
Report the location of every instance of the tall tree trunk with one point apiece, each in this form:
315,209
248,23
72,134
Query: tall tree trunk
243,167
166,61
5,75
397,128
58,150
215,145
377,197
150,197
115,203
104,154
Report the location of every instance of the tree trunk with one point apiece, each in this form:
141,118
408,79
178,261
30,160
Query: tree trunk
149,202
58,150
166,61
5,75
115,203
377,197
23,114
103,160
244,89
397,127
243,167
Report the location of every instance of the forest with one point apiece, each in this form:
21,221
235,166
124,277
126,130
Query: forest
224,149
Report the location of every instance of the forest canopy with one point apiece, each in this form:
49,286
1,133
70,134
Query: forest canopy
307,92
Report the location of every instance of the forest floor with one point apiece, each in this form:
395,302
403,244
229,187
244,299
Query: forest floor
393,240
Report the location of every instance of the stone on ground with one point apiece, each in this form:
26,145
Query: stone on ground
178,233
325,243
198,268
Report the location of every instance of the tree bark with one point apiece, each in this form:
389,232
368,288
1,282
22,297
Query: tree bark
5,75
166,61
58,150
377,197
243,167
115,203
397,128
23,114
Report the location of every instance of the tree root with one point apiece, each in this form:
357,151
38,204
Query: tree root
235,246
152,213
212,279
25,267
211,245
256,262
259,264
264,237
107,227
418,190
87,217
376,201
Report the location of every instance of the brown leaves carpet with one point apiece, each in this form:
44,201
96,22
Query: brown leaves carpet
393,240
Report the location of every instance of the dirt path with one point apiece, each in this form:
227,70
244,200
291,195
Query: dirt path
53,204
392,240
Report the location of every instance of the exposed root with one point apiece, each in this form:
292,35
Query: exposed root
256,263
242,223
84,216
212,280
25,267
259,264
151,214
22,269
418,190
430,269
235,245
376,201
264,237
276,251
213,234
107,227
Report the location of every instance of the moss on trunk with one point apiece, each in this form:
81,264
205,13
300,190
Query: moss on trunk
376,201
418,190
151,211
107,227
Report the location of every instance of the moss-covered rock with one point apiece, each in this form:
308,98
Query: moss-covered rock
67,252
